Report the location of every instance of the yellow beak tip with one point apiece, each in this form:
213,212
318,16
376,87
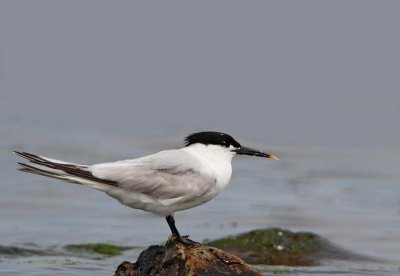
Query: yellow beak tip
273,157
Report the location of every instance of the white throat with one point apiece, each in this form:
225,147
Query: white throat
214,161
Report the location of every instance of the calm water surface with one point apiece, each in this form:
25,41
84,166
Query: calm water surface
350,196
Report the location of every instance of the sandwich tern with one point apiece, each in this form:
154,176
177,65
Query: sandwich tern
162,183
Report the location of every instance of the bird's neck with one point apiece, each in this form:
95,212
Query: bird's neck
214,161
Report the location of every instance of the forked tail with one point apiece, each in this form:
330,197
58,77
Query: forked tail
70,172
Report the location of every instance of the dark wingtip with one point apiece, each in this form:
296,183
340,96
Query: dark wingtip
29,156
23,167
20,153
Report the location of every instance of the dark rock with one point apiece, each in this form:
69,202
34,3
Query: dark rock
273,246
178,259
277,246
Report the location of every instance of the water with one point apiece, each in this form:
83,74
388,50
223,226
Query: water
350,196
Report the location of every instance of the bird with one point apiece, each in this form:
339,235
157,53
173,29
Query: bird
162,183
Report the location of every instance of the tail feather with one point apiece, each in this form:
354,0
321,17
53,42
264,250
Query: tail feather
36,170
70,172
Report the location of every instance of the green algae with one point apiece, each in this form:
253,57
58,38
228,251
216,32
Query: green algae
273,246
105,249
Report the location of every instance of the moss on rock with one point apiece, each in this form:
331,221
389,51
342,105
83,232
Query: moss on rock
273,246
104,249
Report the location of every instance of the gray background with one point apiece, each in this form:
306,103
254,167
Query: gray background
315,82
296,72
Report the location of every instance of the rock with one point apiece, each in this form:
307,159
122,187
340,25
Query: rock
277,246
262,247
178,259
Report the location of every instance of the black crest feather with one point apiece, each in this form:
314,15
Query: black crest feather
211,138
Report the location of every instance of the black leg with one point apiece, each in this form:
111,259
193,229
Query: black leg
183,239
171,222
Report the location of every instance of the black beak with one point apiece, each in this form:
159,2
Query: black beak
253,152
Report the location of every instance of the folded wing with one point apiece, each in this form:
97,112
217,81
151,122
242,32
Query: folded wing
164,176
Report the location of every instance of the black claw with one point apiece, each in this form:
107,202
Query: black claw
185,240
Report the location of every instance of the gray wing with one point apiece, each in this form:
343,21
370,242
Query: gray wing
166,177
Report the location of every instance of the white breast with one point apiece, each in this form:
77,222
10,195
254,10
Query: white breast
214,161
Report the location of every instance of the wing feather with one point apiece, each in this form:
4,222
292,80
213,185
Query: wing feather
167,176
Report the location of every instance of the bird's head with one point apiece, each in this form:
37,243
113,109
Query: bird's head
225,143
